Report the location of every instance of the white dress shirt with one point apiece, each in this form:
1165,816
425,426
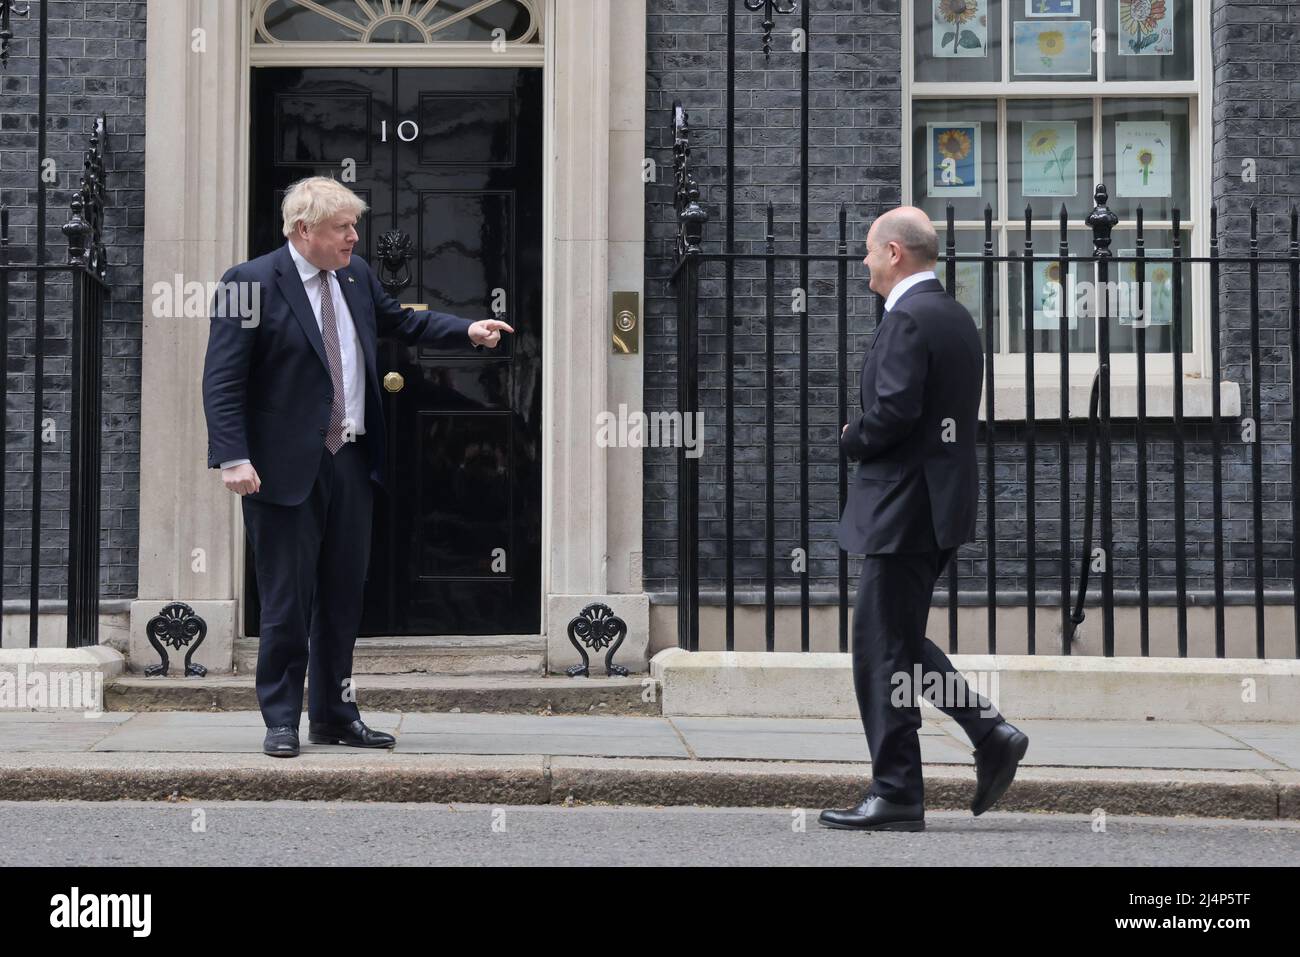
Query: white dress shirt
349,345
905,284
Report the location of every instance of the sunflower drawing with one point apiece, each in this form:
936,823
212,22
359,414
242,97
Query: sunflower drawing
957,13
1051,286
954,145
1145,159
1042,142
1139,16
1051,43
1045,142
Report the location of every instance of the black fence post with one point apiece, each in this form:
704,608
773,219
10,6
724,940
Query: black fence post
690,230
84,232
4,383
1102,220
38,337
950,249
1293,268
842,370
990,437
769,514
1216,445
1031,516
1068,623
1140,440
1180,466
1256,446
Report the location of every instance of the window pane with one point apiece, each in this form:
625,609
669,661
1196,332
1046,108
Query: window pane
955,157
509,15
1049,156
1150,40
1051,40
286,20
958,40
1053,294
1147,157
970,277
1156,292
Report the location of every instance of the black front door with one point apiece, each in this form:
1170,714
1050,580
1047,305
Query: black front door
451,159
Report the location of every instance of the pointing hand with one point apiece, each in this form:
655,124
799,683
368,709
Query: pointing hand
487,332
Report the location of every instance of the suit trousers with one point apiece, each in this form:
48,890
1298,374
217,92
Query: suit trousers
889,620
311,561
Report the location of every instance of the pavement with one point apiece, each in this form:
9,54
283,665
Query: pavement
1245,771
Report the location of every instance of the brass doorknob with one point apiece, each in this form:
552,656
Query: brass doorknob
393,382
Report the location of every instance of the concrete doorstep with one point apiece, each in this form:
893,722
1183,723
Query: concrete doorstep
483,694
1247,771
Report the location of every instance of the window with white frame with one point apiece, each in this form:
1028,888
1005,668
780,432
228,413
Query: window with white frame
1030,103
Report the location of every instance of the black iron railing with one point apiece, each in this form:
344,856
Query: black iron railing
27,280
690,263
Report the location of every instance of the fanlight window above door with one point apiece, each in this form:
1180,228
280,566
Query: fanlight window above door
280,22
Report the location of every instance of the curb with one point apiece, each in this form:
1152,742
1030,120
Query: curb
536,779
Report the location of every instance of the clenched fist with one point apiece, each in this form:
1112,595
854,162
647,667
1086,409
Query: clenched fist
241,479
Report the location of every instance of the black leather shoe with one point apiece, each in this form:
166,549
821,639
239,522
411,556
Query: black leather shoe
996,759
877,814
355,735
281,741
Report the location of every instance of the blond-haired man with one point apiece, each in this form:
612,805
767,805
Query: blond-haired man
295,423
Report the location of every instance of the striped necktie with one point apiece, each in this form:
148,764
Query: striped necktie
330,333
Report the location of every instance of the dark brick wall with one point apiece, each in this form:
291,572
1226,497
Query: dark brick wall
855,117
96,64
1257,118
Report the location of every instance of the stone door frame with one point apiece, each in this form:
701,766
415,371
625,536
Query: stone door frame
198,57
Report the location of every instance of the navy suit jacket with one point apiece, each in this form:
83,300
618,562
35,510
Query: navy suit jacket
267,391
917,483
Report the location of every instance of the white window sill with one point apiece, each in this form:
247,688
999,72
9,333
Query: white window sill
1009,398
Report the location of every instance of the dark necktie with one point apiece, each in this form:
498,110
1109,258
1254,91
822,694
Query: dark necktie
330,333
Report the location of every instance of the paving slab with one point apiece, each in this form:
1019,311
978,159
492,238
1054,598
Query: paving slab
594,726
206,731
1049,732
53,735
793,739
1223,759
791,725
535,734
379,720
58,717
1281,742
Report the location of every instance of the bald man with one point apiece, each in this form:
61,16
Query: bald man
912,502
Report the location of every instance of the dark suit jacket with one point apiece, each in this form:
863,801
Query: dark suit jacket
913,490
267,391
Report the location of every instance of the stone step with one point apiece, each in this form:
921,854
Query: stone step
435,655
490,694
